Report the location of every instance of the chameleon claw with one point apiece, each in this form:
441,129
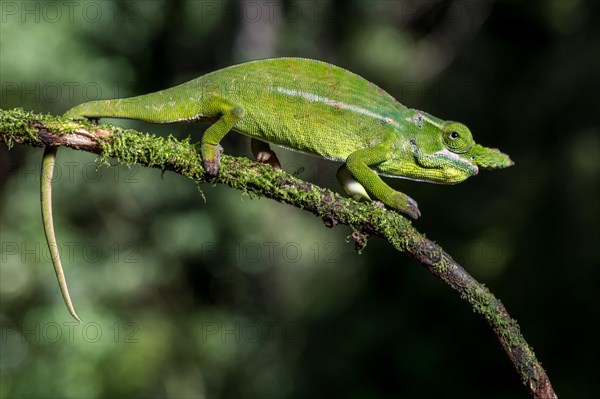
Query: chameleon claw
402,203
412,208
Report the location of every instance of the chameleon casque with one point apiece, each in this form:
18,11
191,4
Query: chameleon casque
308,106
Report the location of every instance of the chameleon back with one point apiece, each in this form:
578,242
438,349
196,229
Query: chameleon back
304,104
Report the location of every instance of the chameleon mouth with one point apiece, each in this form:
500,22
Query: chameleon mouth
467,168
472,168
465,165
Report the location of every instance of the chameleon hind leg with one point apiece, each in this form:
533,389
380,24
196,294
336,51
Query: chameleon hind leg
210,149
358,164
47,173
262,153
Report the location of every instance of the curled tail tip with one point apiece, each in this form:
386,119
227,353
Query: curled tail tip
70,307
76,316
64,290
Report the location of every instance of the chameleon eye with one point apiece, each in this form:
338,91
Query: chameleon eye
457,137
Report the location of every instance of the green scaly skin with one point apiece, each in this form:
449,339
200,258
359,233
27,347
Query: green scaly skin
317,108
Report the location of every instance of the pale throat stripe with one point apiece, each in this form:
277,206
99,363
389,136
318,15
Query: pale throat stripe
336,104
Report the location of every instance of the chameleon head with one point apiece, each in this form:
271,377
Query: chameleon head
440,151
450,144
464,156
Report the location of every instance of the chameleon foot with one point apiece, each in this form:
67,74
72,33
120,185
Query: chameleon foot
262,153
270,158
211,158
412,209
402,203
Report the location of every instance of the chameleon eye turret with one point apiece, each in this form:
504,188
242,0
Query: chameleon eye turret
457,137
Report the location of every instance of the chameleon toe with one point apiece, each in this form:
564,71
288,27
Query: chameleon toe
412,209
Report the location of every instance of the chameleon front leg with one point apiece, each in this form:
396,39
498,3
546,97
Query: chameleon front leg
358,165
210,150
262,153
47,173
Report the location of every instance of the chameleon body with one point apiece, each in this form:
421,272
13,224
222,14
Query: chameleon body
317,108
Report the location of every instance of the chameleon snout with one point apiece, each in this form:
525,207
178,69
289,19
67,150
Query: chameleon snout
490,158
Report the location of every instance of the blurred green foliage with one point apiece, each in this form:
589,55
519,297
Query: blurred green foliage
190,292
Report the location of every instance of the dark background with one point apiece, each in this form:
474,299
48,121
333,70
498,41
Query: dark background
232,297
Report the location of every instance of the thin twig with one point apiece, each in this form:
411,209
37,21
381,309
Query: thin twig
128,146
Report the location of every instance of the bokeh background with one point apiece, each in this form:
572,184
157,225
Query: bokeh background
193,291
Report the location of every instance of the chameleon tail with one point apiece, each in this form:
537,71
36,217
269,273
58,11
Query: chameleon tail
117,108
158,107
47,173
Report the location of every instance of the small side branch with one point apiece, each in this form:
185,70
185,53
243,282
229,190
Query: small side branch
181,156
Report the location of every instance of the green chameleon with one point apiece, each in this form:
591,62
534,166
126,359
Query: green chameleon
308,106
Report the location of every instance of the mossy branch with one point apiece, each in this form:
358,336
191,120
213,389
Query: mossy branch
367,220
